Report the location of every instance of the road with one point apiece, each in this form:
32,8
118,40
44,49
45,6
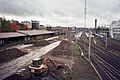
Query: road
7,69
106,63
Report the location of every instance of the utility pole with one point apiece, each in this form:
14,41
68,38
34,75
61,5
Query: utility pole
84,23
85,14
119,9
76,34
89,44
66,26
106,40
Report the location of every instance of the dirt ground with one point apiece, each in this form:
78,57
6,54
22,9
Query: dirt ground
37,43
73,66
63,50
10,54
78,68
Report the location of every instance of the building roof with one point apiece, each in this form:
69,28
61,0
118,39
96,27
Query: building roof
116,32
10,34
35,32
24,33
115,23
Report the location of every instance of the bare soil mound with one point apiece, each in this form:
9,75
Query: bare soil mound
10,54
38,43
62,50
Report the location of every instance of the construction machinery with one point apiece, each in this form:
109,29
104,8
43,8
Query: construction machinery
40,65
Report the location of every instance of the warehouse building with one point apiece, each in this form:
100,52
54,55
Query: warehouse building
11,37
37,34
115,30
24,35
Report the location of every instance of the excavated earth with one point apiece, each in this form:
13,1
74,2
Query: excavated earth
9,53
71,66
37,43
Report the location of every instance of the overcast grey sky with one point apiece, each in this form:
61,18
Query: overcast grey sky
61,12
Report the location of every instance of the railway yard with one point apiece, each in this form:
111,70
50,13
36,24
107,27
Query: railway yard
59,40
105,60
67,54
71,55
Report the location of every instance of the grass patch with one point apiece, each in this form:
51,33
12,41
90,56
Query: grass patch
62,36
71,76
76,49
98,41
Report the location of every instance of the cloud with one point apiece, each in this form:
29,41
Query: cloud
57,11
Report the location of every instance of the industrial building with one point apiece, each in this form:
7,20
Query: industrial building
36,34
115,30
10,37
24,35
35,24
82,29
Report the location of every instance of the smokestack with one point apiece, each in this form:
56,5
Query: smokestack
95,23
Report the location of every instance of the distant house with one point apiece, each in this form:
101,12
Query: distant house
82,29
27,23
115,30
42,27
60,30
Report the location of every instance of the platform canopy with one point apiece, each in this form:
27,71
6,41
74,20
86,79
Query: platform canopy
35,32
10,35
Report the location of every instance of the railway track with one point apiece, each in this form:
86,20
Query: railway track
106,63
112,44
110,71
108,56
